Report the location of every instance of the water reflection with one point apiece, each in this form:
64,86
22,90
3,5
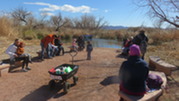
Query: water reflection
105,43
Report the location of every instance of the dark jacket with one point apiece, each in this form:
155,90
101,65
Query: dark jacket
133,74
89,47
139,38
58,42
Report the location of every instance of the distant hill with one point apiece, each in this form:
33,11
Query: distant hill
115,27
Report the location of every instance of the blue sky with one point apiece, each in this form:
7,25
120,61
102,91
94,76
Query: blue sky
115,12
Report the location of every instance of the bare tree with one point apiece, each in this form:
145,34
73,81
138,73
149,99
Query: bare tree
69,22
89,22
21,14
41,22
76,23
57,21
164,10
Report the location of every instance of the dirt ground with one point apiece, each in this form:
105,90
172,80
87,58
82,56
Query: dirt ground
98,80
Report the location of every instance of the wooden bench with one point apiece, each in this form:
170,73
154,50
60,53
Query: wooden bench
3,66
159,65
8,66
149,96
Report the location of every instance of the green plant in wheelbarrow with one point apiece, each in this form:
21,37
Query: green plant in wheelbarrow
61,74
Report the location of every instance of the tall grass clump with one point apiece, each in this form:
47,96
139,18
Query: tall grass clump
6,28
159,36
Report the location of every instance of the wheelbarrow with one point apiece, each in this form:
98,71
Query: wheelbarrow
57,77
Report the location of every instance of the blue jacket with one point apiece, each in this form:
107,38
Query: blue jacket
89,47
133,74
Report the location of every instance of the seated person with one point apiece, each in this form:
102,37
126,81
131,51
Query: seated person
12,52
20,51
47,44
133,73
54,49
81,43
127,44
59,44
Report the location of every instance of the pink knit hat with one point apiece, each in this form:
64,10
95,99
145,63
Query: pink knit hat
134,50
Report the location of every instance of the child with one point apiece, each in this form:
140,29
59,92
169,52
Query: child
74,47
89,49
20,53
20,49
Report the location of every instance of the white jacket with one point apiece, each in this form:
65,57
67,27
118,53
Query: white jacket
11,51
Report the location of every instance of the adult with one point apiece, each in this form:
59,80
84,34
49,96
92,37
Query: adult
59,44
127,44
12,52
81,43
141,39
47,44
133,73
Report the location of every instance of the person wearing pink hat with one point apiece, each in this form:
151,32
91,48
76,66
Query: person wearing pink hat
133,73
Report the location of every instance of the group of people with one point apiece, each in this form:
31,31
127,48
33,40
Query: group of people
79,45
141,40
51,45
134,72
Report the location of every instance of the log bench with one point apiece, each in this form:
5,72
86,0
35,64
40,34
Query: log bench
157,64
3,66
7,66
149,96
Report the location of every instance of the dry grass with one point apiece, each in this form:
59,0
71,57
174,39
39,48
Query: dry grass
165,45
6,28
168,51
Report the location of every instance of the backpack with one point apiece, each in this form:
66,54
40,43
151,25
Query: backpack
154,81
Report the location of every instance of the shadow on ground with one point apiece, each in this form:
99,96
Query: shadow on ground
122,56
44,93
78,60
36,59
110,80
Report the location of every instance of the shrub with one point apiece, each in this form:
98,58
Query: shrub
6,28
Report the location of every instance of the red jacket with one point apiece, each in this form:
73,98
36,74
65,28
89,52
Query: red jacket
48,39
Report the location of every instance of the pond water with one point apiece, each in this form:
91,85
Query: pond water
106,43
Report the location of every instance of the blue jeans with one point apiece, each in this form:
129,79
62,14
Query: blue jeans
49,51
88,55
42,50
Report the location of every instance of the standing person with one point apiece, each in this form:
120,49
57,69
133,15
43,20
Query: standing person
46,44
89,49
73,47
133,73
59,44
141,39
11,51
